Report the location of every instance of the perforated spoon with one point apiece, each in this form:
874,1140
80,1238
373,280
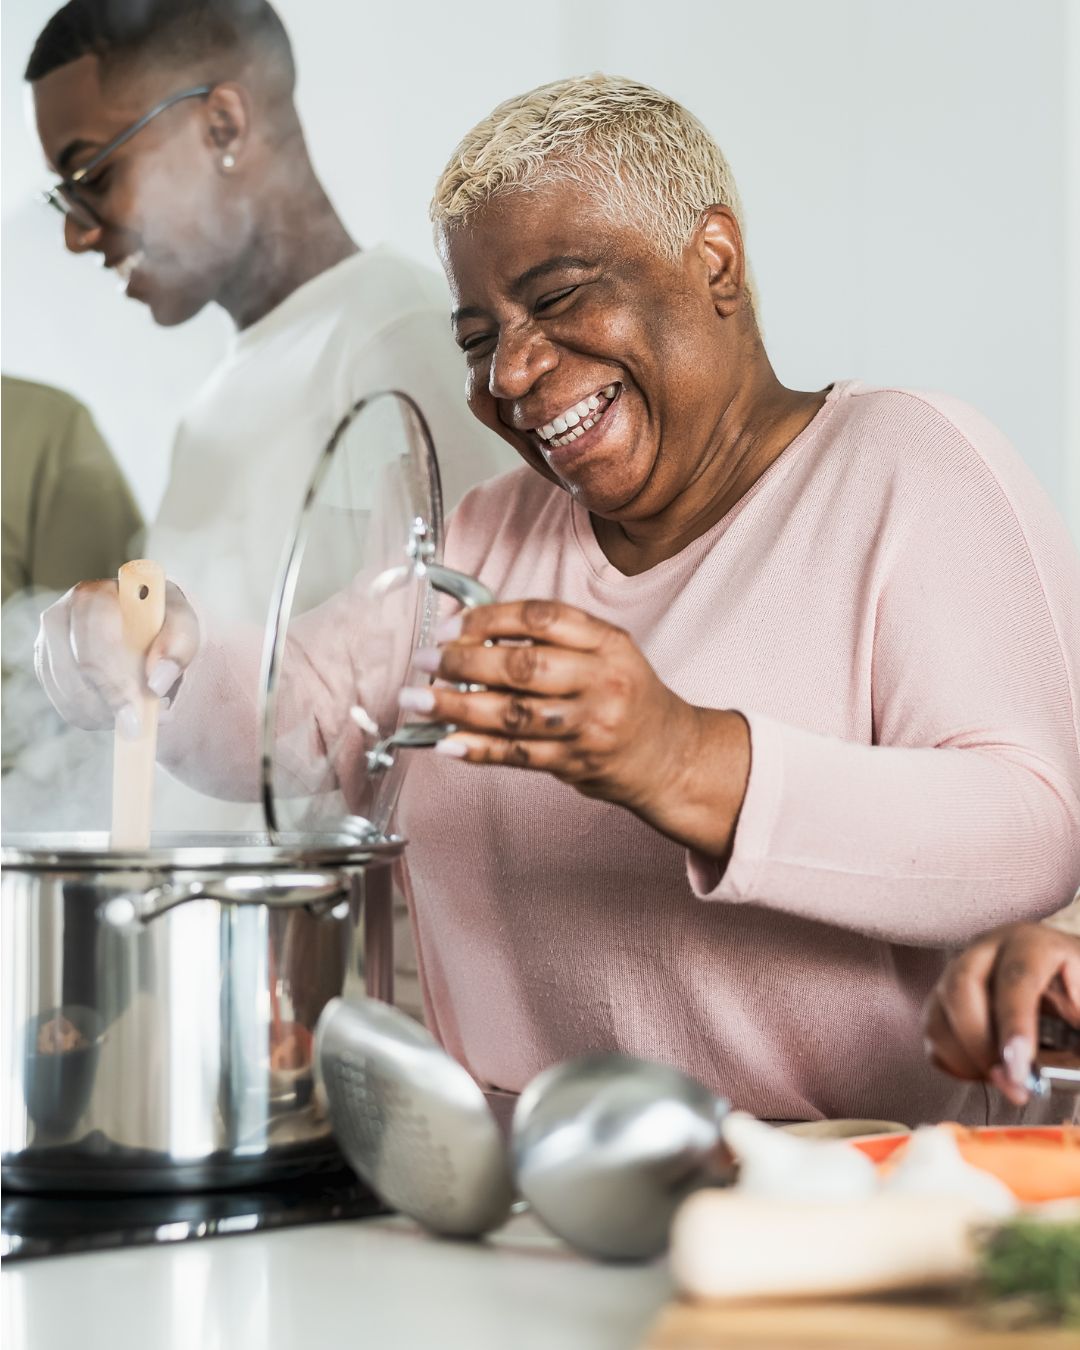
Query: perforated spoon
410,1120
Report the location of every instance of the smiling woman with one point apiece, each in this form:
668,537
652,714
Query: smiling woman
826,642
598,219
795,673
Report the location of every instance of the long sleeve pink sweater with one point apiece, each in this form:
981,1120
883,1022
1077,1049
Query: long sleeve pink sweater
895,608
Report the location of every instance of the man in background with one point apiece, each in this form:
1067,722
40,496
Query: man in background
184,168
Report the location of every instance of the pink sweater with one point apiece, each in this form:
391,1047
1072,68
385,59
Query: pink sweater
895,607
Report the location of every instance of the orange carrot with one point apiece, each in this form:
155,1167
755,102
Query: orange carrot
1036,1165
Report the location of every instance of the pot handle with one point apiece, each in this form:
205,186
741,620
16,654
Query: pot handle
469,593
278,890
466,590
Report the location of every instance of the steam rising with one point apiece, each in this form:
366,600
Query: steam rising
349,647
56,777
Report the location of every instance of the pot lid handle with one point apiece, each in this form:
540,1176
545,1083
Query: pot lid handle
422,735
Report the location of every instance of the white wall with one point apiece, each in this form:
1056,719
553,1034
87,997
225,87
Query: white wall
903,166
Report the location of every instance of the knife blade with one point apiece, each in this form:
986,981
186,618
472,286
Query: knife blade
1062,1041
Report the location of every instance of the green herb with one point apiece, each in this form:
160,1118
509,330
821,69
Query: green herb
1035,1264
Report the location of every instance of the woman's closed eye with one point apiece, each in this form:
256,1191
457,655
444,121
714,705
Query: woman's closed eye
547,303
473,344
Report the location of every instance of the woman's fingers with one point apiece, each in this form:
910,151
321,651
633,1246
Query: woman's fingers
958,1024
1030,962
536,646
554,757
982,1019
545,621
532,669
1062,998
943,1048
502,714
575,697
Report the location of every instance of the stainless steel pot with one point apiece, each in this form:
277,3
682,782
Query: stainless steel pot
159,1008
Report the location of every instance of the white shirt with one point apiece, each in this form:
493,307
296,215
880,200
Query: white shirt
246,447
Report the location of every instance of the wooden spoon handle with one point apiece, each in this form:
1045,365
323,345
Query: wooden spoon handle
142,609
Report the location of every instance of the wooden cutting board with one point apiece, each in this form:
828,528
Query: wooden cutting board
915,1321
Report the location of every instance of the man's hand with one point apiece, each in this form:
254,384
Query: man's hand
982,1018
87,670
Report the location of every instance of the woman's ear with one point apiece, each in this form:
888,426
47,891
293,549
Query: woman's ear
720,247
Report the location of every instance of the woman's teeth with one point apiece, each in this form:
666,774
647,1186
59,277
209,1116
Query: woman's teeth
577,420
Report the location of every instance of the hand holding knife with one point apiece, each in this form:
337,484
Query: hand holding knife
1006,1011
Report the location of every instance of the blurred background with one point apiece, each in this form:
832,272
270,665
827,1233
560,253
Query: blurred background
909,172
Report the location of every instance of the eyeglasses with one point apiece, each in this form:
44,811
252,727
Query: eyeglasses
64,195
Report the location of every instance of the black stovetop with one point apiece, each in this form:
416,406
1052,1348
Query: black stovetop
58,1223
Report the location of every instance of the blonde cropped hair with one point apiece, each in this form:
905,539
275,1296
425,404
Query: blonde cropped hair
632,148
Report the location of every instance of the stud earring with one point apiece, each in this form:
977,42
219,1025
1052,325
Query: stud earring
228,161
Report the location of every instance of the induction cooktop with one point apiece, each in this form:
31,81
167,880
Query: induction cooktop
55,1223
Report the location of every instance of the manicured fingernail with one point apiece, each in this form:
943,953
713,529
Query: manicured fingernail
364,720
129,722
162,678
449,630
452,749
1008,1089
427,658
1016,1056
416,700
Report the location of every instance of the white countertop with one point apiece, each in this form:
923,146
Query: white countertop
375,1284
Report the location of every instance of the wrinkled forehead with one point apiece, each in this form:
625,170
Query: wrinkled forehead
487,252
77,109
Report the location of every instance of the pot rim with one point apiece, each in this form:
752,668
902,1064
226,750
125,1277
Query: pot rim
83,851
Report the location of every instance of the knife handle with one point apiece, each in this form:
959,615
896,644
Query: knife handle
1056,1034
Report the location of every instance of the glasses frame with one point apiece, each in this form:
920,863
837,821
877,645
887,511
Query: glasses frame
64,195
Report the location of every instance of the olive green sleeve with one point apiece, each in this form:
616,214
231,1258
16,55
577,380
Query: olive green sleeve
85,520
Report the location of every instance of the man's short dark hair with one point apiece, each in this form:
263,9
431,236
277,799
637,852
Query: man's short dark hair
171,33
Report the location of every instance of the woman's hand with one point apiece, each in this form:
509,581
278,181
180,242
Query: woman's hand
574,697
90,674
982,1018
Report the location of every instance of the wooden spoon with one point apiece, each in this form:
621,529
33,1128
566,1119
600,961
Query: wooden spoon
142,608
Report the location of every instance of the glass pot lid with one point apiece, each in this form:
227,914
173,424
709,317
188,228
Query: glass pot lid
356,597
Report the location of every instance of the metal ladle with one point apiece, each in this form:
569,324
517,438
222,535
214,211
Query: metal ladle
410,1120
606,1147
